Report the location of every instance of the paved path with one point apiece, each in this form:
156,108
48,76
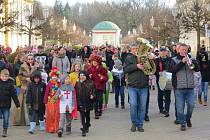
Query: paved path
115,125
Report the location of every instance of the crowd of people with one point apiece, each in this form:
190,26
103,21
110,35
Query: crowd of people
50,89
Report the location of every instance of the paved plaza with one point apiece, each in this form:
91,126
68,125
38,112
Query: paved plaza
115,125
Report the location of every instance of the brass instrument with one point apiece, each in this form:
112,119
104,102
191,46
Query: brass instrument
189,62
143,56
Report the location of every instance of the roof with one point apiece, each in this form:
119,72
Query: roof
106,25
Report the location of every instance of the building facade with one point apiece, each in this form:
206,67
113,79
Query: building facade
13,37
106,32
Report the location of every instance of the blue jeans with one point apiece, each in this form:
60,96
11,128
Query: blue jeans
182,96
119,90
5,113
204,87
137,100
35,114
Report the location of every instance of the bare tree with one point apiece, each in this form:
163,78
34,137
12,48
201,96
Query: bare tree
193,16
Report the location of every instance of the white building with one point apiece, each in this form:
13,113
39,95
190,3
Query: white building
14,38
106,32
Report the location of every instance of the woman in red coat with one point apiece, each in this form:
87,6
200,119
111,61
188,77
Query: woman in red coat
99,76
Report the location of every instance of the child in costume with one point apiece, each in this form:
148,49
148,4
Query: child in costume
34,101
66,96
85,95
52,109
74,76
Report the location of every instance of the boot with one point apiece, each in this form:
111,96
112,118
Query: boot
60,132
83,132
32,127
87,127
42,125
4,134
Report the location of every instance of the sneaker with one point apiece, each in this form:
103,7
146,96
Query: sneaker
183,127
140,129
146,118
189,124
60,133
205,103
176,122
166,114
133,128
4,134
116,106
122,107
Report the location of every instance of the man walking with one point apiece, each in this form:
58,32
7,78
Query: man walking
183,82
138,84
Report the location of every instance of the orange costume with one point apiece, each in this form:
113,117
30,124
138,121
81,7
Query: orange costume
52,109
73,79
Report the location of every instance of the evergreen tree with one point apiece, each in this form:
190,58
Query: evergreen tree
67,11
58,8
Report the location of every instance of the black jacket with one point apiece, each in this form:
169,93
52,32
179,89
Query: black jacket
109,61
136,77
84,90
165,62
16,67
123,56
35,94
8,91
204,66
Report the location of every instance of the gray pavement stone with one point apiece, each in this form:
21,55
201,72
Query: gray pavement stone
115,125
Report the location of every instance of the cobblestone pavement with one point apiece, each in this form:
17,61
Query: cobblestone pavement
115,125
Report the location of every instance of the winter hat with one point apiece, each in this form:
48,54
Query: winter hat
117,62
96,58
54,72
85,73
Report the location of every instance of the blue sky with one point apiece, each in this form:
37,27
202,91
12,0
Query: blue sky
72,2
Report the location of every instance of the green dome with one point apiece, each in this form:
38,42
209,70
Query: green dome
106,25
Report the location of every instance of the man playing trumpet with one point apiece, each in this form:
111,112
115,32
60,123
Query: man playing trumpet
183,68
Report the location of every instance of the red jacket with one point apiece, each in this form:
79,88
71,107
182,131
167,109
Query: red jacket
100,83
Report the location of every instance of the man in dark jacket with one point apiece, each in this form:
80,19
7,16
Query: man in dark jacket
7,91
164,96
205,73
138,84
183,83
109,60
